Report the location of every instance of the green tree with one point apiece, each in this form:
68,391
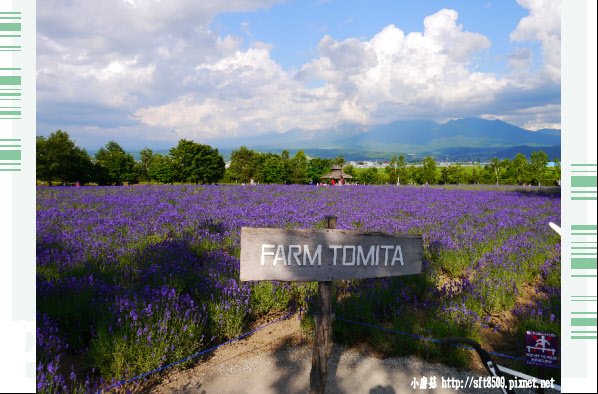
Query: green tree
161,169
392,169
397,170
146,156
537,166
273,169
58,158
518,169
100,174
407,175
242,165
209,165
338,161
402,170
427,172
445,174
493,170
475,177
197,163
298,168
182,157
557,171
118,166
452,175
369,176
286,159
317,167
349,169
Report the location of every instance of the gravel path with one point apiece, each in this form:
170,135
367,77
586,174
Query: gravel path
277,360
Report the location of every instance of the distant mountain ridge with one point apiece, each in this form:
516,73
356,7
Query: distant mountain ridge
409,136
468,139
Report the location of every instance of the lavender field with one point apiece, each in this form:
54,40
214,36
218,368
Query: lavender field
131,278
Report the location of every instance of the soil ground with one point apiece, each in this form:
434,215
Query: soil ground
277,359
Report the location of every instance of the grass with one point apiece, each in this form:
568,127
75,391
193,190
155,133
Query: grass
408,327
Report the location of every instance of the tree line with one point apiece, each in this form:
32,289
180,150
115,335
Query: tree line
60,160
246,165
518,171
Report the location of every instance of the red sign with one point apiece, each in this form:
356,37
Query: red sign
541,349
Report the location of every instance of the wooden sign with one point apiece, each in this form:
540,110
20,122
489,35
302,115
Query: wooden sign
326,255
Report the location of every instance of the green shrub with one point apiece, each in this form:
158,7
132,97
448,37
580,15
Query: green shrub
145,335
262,298
226,319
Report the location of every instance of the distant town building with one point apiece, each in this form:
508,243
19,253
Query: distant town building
368,164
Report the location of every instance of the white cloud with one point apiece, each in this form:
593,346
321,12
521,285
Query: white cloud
122,54
448,37
156,64
532,118
521,59
365,81
246,91
350,54
543,24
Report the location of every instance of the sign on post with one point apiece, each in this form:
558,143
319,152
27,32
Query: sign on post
323,256
326,255
541,349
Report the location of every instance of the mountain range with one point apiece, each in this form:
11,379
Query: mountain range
468,138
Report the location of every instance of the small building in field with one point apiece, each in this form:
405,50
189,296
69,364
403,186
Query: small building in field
337,175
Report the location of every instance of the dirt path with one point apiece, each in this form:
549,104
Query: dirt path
277,360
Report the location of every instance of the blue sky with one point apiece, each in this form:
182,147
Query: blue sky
149,72
295,28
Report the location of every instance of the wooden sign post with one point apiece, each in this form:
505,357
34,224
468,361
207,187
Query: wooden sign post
322,338
323,256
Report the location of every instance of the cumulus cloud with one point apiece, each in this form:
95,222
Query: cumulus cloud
112,55
520,59
448,37
532,118
392,75
157,65
543,24
246,91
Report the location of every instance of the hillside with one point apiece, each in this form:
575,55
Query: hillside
461,139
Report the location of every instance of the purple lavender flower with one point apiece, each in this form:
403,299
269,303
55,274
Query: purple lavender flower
137,262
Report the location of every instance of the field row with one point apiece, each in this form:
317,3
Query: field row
130,278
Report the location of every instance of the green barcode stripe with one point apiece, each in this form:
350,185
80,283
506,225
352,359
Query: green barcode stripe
10,154
583,181
10,80
583,263
583,322
10,27
584,227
